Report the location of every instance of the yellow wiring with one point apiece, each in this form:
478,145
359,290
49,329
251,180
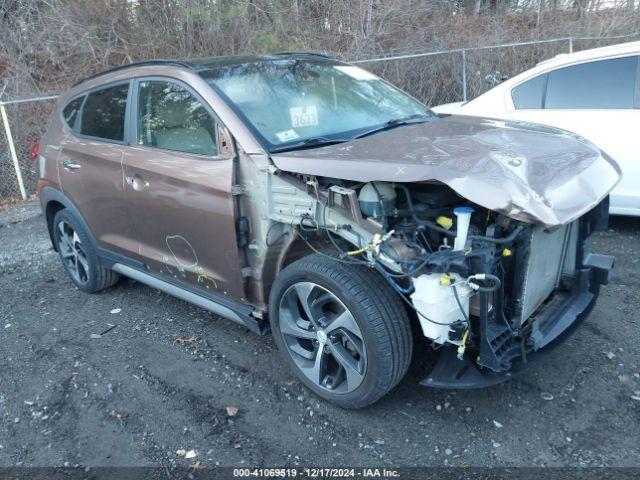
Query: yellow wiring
373,244
360,250
463,346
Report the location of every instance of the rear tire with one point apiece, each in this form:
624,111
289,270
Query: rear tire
79,258
342,329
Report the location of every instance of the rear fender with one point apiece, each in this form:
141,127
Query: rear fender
49,195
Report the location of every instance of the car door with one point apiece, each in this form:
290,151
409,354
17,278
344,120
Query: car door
90,164
178,189
599,100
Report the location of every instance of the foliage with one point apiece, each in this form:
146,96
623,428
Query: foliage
48,45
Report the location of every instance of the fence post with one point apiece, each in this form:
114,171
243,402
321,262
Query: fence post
464,75
570,44
12,150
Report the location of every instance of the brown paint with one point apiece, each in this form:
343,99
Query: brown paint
532,173
187,197
96,189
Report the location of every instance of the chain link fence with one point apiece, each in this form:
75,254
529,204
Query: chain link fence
432,77
22,123
462,74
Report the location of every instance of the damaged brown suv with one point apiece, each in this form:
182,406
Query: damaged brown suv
301,195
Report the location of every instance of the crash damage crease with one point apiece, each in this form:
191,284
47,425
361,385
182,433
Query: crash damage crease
524,198
532,173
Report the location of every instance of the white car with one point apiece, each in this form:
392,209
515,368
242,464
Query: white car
594,93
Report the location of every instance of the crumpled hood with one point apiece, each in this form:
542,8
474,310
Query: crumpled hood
530,172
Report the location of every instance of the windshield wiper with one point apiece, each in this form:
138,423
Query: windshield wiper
324,141
396,122
309,143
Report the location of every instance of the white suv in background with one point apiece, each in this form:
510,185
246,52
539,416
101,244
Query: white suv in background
594,93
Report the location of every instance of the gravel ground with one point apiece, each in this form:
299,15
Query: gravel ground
170,376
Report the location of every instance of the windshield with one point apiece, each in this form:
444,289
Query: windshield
288,101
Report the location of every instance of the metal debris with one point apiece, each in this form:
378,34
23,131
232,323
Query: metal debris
113,415
111,327
186,454
232,411
107,330
184,341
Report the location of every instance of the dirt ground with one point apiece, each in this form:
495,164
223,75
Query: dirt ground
170,376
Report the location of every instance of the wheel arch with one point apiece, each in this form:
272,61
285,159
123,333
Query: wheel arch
51,209
52,202
293,249
296,249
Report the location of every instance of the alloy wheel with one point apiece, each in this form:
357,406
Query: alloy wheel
72,253
322,337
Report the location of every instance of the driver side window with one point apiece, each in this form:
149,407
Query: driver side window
171,118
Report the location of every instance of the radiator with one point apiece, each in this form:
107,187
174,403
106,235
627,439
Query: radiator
552,254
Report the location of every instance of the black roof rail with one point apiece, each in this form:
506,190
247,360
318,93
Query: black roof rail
137,64
313,54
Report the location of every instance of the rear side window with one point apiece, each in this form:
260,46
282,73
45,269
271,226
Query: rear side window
529,94
605,84
171,118
70,112
103,113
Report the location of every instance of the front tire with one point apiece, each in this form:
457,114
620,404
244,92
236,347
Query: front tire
79,258
342,328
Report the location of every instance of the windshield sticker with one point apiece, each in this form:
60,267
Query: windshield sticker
286,135
356,72
304,116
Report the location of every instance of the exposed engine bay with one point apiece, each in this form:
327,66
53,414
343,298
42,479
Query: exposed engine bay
447,257
476,280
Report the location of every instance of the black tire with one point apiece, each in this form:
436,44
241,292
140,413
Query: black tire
379,313
90,276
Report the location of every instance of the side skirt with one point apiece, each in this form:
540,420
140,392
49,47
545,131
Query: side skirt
224,307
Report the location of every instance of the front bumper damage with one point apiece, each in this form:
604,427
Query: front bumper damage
547,328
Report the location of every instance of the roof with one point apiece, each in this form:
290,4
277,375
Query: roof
593,53
202,64
136,64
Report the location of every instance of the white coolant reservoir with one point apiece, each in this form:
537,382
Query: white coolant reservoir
435,301
377,199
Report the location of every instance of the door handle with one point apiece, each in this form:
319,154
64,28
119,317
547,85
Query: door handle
70,166
136,182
